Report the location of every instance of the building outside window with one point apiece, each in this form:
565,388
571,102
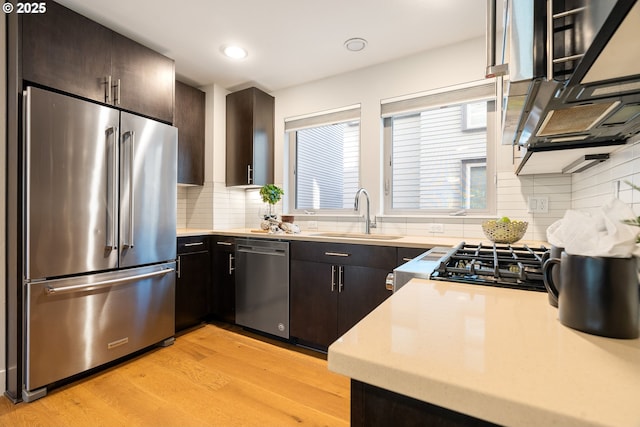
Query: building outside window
437,151
325,158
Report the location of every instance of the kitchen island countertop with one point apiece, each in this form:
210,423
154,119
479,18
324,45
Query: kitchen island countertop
496,354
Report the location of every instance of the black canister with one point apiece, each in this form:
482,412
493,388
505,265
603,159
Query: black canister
598,295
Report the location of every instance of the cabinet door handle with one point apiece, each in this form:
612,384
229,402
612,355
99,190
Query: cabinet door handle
249,173
231,267
194,244
333,278
178,265
340,279
224,243
340,254
116,96
107,89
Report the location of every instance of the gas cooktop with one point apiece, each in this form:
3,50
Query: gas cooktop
502,265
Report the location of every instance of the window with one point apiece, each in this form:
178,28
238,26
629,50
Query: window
474,182
437,151
325,153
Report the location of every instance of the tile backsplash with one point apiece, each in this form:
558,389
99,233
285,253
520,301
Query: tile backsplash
594,187
211,206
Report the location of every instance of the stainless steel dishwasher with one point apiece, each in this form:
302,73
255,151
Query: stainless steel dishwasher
262,285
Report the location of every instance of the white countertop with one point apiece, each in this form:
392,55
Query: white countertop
497,354
357,238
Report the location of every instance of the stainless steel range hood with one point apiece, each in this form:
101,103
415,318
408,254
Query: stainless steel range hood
586,94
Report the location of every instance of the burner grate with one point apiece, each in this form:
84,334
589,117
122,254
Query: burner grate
502,265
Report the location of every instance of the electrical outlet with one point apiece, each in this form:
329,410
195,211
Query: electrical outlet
435,228
312,225
538,204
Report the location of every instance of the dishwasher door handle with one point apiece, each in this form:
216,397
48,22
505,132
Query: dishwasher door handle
261,251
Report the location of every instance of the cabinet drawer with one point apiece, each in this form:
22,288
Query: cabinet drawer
193,244
383,257
407,254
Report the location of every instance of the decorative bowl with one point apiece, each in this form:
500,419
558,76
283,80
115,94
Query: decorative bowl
504,232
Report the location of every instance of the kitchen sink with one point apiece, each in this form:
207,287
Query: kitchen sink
359,236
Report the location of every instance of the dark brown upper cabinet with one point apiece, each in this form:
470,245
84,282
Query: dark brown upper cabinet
250,121
189,119
64,50
143,80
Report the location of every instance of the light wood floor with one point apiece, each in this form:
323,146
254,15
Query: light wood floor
215,375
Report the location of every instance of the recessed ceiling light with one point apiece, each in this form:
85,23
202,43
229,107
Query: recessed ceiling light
234,52
356,44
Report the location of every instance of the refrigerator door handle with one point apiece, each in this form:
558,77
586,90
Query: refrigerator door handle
132,163
111,205
50,290
132,142
27,173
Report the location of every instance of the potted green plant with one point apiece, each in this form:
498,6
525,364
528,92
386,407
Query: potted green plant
271,194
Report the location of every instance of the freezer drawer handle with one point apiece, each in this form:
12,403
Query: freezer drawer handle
50,290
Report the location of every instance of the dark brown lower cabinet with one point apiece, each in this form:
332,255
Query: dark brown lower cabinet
333,286
372,406
193,281
313,305
223,296
407,254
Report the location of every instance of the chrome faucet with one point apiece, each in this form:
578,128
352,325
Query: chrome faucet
368,225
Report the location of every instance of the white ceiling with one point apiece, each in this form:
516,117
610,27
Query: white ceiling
290,42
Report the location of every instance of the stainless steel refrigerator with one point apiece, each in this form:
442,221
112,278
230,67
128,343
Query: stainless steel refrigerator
99,236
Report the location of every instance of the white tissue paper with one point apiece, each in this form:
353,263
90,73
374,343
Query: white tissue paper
601,232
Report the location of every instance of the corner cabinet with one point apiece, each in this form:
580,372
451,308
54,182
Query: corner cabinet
193,282
223,296
190,121
250,123
64,50
333,286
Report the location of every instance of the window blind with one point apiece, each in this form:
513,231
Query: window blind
440,98
340,115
